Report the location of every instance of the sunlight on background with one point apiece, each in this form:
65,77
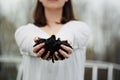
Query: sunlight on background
103,17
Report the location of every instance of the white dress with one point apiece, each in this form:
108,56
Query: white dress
69,69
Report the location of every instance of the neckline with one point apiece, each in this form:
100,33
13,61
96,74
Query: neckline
62,27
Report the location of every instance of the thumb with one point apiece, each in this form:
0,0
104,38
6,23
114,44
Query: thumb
69,42
36,39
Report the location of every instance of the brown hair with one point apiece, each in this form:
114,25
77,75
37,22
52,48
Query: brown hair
39,14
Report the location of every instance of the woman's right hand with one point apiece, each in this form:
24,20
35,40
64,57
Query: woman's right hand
41,51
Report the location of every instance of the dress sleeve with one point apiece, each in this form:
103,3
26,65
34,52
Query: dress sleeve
82,34
24,38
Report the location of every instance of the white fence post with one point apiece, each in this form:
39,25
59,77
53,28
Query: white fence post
94,72
110,72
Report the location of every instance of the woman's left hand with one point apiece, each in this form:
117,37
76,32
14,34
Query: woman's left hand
65,54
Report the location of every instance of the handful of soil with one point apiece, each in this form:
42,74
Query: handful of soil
52,45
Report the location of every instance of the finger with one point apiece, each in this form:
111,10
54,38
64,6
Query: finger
64,53
40,52
56,55
47,55
48,59
68,49
61,56
69,42
55,58
35,49
36,39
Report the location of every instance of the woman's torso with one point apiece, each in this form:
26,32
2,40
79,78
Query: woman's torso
68,69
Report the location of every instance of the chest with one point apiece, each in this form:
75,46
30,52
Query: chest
51,30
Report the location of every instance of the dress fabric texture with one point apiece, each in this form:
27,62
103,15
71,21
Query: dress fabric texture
69,69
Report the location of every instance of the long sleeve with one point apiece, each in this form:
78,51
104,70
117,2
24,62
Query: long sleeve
37,69
24,38
82,33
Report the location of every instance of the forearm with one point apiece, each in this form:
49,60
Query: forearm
25,41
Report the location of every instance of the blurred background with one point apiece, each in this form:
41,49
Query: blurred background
102,16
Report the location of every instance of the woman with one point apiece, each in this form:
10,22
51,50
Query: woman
53,17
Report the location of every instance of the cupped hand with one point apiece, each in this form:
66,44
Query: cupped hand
64,54
41,49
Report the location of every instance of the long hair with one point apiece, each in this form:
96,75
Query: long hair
39,14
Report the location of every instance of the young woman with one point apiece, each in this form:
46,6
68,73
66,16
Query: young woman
53,17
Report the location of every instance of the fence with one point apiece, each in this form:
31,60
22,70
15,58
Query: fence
94,65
